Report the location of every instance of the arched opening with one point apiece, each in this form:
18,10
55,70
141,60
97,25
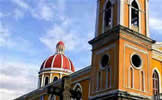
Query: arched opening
108,77
156,86
142,81
134,14
55,79
107,16
105,61
46,80
78,89
98,80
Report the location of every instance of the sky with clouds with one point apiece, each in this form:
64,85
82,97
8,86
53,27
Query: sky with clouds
30,29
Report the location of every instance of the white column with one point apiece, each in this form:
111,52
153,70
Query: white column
60,75
42,82
50,78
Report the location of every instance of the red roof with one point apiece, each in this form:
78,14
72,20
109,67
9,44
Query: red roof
59,61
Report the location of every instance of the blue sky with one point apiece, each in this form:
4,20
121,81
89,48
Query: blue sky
30,29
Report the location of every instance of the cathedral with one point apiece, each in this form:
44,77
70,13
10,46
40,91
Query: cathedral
126,63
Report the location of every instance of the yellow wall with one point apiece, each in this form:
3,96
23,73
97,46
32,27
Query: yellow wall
96,67
156,64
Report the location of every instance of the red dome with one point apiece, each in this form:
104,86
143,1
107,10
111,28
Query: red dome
58,62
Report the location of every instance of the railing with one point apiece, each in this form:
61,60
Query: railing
157,97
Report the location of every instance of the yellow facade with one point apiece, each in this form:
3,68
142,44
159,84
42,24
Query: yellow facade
121,42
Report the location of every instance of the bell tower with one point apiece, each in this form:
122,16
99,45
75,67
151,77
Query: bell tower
121,51
132,14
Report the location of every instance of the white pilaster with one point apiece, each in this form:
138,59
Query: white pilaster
121,5
147,18
97,17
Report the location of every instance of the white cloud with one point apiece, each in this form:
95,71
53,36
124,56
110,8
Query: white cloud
43,11
8,40
55,34
18,14
4,36
16,79
21,3
1,14
72,38
156,24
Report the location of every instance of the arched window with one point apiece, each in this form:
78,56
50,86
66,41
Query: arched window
131,77
134,14
98,80
55,79
108,77
107,16
46,80
78,89
155,78
142,81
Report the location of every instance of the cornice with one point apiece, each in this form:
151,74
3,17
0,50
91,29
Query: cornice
118,32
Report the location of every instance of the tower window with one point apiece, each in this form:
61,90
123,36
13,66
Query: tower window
108,15
155,83
134,14
46,80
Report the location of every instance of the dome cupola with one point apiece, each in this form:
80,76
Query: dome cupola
56,66
60,47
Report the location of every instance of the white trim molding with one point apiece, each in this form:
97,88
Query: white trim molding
106,48
57,69
141,65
